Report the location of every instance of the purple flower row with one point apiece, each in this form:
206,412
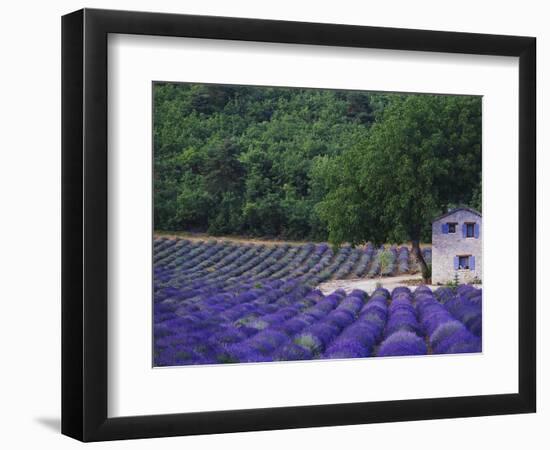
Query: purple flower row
364,261
445,333
222,302
403,260
465,305
404,335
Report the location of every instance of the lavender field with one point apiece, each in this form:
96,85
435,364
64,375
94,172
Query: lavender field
224,302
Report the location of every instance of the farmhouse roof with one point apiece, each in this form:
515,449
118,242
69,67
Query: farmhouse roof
452,211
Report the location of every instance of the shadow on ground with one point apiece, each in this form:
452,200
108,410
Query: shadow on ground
52,423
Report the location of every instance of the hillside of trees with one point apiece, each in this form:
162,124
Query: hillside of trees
310,164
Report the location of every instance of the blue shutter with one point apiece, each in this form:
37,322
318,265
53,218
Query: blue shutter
456,262
463,230
476,231
445,228
472,263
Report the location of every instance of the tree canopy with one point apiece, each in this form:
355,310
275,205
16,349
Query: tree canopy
422,155
312,164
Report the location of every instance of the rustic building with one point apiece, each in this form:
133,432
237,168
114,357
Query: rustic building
457,246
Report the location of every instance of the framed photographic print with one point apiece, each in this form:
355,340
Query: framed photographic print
273,224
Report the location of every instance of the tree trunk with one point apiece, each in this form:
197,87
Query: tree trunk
420,259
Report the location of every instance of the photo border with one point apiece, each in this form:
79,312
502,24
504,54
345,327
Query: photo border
84,224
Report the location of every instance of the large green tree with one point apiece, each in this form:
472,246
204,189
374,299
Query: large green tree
422,155
238,159
309,163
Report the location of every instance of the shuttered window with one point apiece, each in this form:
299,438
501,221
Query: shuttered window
448,228
464,262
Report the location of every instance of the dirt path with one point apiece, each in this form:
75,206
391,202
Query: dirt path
369,284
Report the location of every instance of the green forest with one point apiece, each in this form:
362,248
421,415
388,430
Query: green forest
312,164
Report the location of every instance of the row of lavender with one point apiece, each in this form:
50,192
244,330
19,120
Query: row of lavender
211,257
231,318
190,272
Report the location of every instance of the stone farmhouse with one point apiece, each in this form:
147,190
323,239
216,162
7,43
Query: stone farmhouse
457,246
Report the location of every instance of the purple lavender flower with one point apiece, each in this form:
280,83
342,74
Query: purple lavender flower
292,352
217,302
402,343
346,348
244,352
458,342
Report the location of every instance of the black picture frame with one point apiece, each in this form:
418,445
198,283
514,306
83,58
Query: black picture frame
84,224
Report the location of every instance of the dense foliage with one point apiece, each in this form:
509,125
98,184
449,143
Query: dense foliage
229,303
311,164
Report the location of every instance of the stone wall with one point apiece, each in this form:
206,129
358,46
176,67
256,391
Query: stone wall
446,246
